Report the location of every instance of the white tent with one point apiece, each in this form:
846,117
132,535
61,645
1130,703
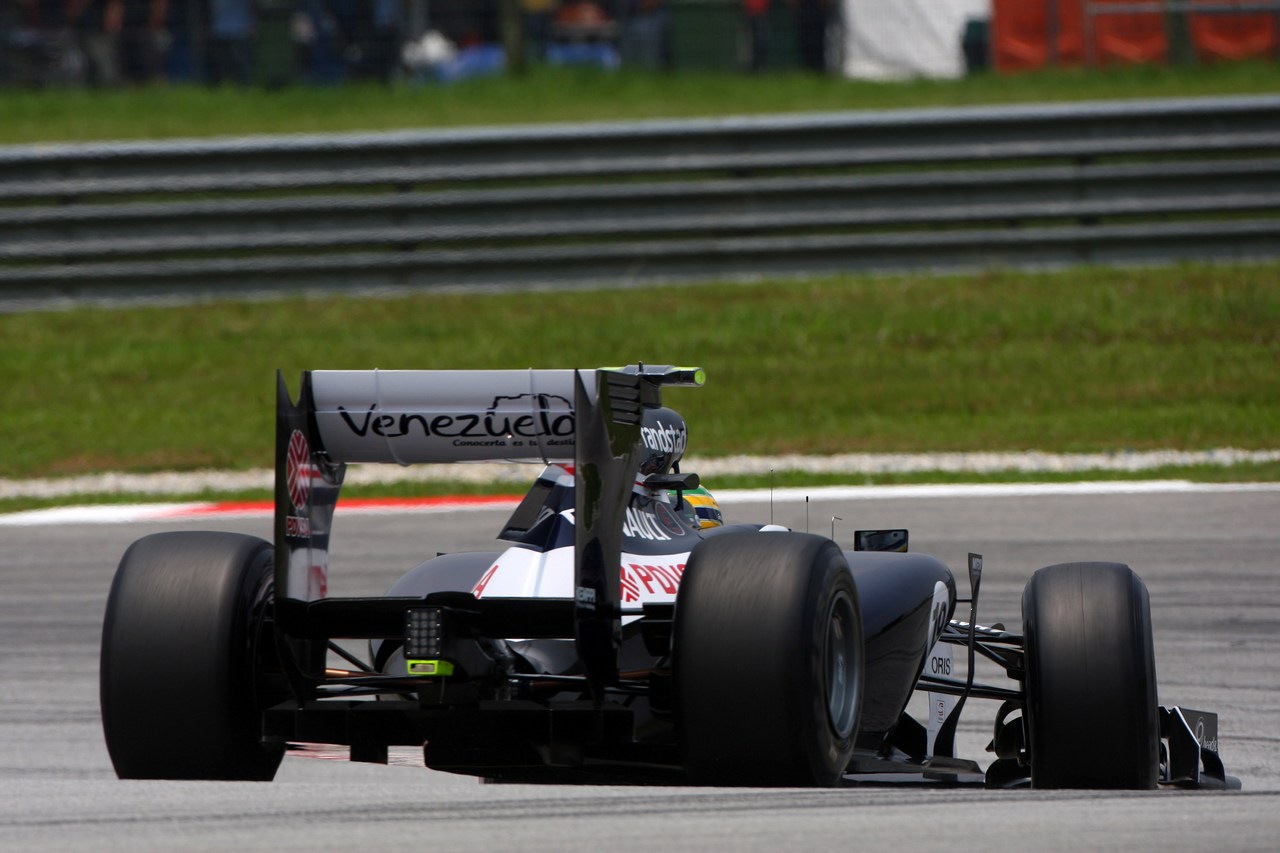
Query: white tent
896,39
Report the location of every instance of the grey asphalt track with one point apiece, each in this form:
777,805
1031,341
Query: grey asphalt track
1211,562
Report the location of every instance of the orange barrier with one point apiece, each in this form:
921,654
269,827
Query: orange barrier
1218,37
1026,35
1021,31
1126,38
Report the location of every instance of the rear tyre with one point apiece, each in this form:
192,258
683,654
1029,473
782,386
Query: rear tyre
1090,678
767,661
179,679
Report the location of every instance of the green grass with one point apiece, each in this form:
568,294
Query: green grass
1084,360
548,94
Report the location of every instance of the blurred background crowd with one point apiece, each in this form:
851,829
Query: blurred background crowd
280,42
276,42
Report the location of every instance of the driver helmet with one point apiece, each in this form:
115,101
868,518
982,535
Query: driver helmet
699,508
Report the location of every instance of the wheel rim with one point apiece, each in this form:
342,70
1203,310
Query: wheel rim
841,669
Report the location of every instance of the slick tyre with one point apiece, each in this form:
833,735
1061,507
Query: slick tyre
179,680
1091,708
767,661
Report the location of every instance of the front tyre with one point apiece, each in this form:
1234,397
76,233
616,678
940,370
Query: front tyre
1090,678
767,661
179,681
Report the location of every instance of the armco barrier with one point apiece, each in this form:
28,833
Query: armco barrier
643,201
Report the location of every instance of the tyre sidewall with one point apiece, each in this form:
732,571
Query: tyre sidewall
1091,706
180,638
750,660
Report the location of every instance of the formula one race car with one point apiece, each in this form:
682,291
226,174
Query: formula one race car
621,632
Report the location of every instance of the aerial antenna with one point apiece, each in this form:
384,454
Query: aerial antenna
771,496
806,513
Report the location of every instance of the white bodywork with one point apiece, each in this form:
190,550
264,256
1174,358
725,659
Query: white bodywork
521,573
644,578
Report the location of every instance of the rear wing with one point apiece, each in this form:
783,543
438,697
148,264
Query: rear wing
600,421
416,416
404,417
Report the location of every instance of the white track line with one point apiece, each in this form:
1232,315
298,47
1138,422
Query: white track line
987,490
520,474
186,512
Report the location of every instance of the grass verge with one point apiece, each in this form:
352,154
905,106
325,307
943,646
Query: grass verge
1077,361
571,94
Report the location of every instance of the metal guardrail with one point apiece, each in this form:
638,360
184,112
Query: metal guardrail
643,201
